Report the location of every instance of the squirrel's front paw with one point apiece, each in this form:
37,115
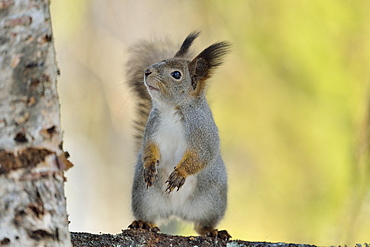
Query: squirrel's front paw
176,179
150,173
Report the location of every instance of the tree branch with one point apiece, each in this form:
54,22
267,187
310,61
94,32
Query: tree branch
138,237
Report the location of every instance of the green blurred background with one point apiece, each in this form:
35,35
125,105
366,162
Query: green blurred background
291,103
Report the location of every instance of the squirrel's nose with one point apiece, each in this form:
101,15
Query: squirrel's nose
147,72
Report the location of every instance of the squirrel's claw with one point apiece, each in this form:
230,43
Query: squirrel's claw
175,180
223,234
212,232
150,173
140,224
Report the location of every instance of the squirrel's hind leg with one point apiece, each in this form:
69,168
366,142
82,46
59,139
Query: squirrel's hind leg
141,224
212,232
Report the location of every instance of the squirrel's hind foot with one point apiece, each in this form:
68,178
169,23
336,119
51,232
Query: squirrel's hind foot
222,234
141,224
212,232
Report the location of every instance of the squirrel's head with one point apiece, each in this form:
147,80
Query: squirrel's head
177,80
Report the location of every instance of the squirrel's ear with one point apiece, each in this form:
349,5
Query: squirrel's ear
186,44
202,66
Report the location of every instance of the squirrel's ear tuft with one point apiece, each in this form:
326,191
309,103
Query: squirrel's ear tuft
186,44
206,62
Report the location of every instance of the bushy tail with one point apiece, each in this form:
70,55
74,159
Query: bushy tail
142,55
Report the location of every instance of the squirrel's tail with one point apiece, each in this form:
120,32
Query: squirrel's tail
142,55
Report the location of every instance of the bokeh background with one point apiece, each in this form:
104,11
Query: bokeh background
291,103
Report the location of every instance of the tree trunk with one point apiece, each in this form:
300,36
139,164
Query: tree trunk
32,162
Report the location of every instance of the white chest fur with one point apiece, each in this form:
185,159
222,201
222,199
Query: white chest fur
170,138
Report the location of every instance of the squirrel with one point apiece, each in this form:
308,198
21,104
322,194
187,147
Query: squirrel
178,141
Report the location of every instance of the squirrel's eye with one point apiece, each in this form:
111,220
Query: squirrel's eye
176,74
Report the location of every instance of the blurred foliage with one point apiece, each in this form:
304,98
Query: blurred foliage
291,103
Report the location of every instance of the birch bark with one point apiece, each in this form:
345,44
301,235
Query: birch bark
32,161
